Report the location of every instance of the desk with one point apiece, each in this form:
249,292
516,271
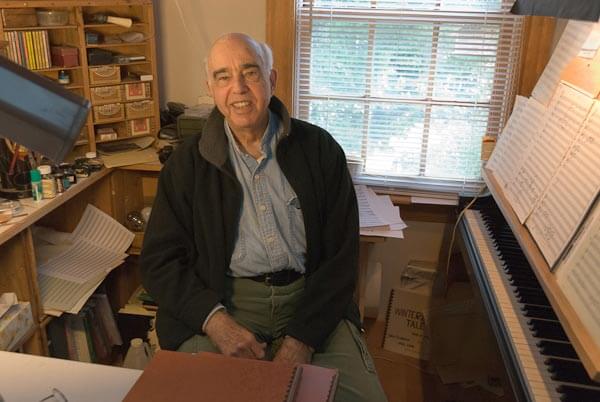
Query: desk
31,378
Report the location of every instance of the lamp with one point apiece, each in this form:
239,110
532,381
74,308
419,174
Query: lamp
38,113
588,10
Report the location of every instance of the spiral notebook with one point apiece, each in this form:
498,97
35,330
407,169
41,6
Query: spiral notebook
176,376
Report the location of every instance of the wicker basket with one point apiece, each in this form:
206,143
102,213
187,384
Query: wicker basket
140,127
136,90
109,113
105,75
103,95
136,110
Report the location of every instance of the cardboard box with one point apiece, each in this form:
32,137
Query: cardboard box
19,17
14,324
64,56
407,324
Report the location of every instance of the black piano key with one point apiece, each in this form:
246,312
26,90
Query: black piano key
568,371
557,349
571,393
547,330
526,298
533,311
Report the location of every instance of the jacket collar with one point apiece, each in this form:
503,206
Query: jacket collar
213,142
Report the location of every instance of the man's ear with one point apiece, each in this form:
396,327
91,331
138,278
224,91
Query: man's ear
209,88
273,79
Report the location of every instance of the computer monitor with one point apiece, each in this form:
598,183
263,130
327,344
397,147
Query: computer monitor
38,113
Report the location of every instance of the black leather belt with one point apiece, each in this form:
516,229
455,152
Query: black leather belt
279,278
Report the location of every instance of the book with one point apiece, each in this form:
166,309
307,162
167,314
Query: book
317,384
176,376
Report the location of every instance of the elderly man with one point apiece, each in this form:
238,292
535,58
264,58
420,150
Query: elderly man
251,249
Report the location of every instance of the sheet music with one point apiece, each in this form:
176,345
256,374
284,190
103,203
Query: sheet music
82,261
563,121
101,229
556,218
526,121
62,294
578,276
571,41
96,246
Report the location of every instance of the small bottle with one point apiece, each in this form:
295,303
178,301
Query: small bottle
36,184
138,355
48,182
93,162
69,172
63,77
60,182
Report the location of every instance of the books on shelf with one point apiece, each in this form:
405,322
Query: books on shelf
30,49
87,336
183,376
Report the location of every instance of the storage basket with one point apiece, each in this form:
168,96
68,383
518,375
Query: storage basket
136,110
105,75
140,127
136,90
103,95
109,113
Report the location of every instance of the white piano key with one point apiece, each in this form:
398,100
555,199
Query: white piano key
539,383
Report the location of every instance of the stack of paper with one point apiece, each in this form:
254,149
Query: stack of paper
378,216
71,267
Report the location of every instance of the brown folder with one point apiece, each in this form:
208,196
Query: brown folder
181,377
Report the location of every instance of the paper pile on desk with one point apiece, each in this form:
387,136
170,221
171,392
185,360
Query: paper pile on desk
71,266
378,216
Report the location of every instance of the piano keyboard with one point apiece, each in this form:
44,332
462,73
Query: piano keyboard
542,364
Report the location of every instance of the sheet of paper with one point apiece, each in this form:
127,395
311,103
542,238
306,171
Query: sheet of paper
564,119
396,234
555,219
367,205
578,276
130,158
62,294
102,230
82,261
592,43
502,161
569,45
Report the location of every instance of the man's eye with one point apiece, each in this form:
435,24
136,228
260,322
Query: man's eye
222,78
252,75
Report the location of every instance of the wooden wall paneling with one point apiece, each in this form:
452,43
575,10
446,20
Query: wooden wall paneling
281,38
537,46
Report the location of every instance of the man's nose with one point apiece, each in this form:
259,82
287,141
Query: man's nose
239,83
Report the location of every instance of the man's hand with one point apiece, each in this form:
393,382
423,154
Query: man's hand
232,339
293,351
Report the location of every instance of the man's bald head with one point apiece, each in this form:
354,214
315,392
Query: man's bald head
262,50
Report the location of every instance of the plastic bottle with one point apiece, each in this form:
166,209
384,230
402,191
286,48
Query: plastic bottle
138,355
36,184
48,182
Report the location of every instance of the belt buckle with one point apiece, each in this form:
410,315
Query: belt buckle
269,279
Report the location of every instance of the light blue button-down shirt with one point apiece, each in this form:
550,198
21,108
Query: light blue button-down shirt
271,233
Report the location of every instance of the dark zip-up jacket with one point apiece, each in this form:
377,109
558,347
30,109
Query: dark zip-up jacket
193,228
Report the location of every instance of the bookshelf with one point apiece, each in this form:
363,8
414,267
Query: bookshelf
133,110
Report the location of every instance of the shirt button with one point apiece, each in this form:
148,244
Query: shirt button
271,239
256,177
263,207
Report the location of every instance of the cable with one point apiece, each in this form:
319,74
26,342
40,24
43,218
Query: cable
458,218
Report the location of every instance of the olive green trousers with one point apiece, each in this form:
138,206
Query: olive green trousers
266,310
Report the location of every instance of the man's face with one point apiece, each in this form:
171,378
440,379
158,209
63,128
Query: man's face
240,86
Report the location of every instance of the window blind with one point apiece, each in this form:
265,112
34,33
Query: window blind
409,87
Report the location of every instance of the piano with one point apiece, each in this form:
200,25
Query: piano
541,361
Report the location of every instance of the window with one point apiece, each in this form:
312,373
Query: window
410,87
